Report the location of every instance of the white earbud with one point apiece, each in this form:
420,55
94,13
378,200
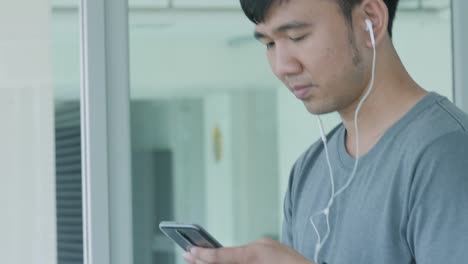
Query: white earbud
370,28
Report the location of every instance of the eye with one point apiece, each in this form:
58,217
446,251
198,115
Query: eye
298,38
269,45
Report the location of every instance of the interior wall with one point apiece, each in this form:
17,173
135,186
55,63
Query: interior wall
27,192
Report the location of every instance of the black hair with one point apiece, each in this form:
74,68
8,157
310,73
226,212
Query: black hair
256,10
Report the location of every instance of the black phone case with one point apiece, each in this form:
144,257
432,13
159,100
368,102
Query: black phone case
188,236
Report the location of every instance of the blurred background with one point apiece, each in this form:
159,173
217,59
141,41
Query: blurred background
213,133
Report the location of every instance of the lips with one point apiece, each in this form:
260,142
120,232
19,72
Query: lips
301,91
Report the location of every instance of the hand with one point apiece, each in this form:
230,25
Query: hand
263,251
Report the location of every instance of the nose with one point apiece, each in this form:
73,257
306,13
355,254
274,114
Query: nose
284,62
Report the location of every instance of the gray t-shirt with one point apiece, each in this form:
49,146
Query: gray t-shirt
408,202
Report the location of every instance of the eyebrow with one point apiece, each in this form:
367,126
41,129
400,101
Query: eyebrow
283,28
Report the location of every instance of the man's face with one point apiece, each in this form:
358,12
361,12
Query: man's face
311,49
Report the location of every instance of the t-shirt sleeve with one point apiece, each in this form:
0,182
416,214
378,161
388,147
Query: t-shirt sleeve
437,230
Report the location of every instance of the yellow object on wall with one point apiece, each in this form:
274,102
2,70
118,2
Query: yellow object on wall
217,144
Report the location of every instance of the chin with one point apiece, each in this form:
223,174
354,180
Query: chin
317,109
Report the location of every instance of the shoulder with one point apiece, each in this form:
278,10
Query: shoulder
440,117
434,124
449,148
441,168
441,132
454,115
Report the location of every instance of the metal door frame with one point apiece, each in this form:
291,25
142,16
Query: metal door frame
107,211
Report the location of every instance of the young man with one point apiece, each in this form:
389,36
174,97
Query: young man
407,202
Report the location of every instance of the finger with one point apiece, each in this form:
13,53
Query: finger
189,258
266,241
200,262
231,255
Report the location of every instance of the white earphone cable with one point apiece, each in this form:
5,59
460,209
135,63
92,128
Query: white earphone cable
326,211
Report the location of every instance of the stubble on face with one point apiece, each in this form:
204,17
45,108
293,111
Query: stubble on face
350,91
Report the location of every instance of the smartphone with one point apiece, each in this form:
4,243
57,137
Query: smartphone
188,235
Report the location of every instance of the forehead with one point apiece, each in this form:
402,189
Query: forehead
305,11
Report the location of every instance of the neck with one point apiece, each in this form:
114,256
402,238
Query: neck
394,93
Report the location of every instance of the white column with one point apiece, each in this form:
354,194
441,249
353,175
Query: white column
106,132
460,52
27,188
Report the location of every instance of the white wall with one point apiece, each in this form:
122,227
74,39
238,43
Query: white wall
424,42
27,189
460,39
241,189
188,147
219,178
255,165
168,58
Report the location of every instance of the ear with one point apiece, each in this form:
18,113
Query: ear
377,12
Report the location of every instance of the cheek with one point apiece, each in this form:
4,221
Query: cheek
319,53
335,65
322,63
